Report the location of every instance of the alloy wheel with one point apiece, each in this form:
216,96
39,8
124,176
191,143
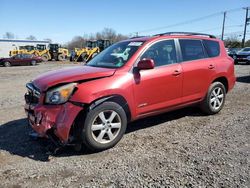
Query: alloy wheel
216,98
106,126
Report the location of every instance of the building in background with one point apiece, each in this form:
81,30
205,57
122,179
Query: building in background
9,44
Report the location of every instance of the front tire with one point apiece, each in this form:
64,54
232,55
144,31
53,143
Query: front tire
104,126
45,57
7,64
215,99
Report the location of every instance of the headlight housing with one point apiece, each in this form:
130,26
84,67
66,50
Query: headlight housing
60,94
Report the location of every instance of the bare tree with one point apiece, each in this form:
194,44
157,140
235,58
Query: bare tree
8,35
31,37
232,42
110,34
106,33
247,43
120,37
76,42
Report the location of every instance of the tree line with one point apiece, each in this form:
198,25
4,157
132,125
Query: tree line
234,42
106,33
112,35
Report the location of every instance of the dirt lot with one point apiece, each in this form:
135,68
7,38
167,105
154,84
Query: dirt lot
177,149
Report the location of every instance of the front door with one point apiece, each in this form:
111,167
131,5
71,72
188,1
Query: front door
16,59
161,87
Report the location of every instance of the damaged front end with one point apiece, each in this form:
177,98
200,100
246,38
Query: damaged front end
51,117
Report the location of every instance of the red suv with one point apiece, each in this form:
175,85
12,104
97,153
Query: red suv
132,79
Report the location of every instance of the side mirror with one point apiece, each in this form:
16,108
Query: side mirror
145,64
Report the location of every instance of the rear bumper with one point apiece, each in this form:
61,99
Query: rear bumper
58,118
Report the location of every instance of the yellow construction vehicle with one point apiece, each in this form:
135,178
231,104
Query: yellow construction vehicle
22,50
53,52
103,43
93,47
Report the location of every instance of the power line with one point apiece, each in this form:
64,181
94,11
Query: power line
188,21
217,28
235,32
180,23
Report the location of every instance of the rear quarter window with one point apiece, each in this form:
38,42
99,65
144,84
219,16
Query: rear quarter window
212,48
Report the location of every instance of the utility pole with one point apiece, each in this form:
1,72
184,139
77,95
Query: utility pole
223,25
245,28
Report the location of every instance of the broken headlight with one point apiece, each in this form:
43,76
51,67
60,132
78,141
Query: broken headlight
60,94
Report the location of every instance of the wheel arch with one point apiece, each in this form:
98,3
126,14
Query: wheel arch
113,98
77,126
223,80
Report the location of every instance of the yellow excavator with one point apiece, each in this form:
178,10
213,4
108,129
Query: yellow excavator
23,50
53,52
93,47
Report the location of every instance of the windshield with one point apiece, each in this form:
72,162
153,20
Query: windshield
116,55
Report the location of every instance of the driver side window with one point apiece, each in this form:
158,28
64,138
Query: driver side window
163,53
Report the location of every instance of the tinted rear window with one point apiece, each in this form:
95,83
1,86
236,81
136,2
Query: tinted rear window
212,47
191,49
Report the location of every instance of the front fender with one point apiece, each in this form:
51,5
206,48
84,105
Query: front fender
91,91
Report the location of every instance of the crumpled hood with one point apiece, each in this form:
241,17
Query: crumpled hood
72,74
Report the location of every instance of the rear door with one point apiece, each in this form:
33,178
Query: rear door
197,69
23,59
27,59
160,87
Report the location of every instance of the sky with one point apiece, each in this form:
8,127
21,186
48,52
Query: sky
61,20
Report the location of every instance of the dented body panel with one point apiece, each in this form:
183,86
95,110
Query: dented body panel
57,117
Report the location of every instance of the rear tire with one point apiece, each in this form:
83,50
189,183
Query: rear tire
7,64
214,99
61,57
104,126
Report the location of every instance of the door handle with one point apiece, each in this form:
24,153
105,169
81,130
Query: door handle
211,66
176,72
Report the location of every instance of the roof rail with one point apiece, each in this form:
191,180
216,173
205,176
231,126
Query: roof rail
185,33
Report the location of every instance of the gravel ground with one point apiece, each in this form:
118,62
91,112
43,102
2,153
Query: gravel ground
178,149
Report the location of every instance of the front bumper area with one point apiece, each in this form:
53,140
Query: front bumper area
56,118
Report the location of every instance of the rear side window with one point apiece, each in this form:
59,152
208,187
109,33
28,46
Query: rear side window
212,47
191,49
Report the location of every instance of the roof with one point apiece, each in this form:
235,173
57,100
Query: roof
22,40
